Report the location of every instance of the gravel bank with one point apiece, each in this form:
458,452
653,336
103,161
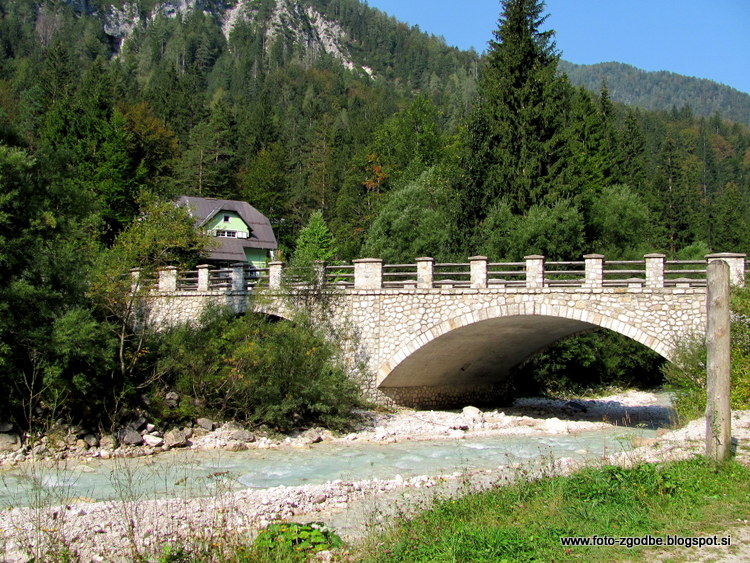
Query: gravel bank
118,531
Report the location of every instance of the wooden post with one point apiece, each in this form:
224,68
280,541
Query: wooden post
718,363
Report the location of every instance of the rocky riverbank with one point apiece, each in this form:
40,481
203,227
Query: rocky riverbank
134,527
525,417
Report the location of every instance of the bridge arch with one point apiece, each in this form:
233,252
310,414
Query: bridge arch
480,348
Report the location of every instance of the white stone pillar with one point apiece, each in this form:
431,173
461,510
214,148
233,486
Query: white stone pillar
478,268
594,270
203,277
238,277
736,263
425,272
274,274
368,273
135,280
319,267
168,279
655,270
534,271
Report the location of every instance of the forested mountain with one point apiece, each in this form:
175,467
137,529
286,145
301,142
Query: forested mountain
661,90
327,109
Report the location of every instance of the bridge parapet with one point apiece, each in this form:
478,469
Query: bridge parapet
654,271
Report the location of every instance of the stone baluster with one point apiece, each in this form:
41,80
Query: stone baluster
203,277
135,280
534,271
238,277
425,272
368,273
274,274
655,270
168,279
319,267
478,269
736,264
594,270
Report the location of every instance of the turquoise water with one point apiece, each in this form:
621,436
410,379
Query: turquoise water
194,473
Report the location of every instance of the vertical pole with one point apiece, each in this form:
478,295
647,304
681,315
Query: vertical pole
718,363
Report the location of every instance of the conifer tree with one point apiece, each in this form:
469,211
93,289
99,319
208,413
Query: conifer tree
516,139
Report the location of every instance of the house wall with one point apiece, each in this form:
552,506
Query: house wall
258,257
235,223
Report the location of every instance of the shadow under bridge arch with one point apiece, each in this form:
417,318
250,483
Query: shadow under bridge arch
471,362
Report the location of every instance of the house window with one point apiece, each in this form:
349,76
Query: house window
226,234
226,218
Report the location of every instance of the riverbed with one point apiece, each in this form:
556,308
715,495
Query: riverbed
399,462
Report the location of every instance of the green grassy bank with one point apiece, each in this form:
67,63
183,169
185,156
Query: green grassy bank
525,521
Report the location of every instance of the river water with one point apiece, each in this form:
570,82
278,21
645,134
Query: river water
190,473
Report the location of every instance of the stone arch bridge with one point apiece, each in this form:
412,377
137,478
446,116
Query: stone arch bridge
431,335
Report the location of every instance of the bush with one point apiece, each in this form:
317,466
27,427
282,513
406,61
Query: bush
588,362
251,369
296,539
686,375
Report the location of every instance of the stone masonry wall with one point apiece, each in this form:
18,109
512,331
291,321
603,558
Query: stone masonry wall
388,325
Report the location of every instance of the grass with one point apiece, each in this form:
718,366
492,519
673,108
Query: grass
525,521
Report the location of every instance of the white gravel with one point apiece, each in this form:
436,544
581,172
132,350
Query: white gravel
123,531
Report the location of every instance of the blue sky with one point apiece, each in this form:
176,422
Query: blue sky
702,38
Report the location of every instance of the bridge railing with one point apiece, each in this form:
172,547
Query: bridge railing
654,271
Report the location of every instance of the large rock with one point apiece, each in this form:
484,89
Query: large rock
171,399
130,437
107,442
5,427
91,440
472,415
9,442
206,424
153,441
311,436
242,435
175,438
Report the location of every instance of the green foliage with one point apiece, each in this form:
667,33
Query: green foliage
314,243
416,220
588,362
686,375
516,146
524,521
250,369
299,540
619,222
661,90
556,231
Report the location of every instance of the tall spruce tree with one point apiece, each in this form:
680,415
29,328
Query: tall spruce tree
516,146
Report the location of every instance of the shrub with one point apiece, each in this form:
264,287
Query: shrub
252,369
298,539
588,362
686,375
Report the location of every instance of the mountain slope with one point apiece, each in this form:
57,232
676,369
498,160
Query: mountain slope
661,90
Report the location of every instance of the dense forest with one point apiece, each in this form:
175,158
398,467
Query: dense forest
657,90
404,146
